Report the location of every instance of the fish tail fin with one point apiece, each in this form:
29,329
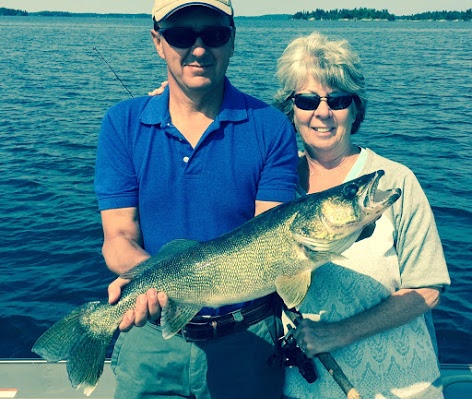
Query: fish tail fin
82,340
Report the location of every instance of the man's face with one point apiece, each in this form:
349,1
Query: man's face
198,67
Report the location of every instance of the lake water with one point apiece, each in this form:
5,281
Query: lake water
55,89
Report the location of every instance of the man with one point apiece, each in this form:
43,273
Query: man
194,163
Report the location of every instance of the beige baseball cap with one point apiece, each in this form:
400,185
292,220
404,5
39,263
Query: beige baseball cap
163,8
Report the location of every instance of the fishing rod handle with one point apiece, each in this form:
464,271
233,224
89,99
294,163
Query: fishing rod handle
330,363
332,366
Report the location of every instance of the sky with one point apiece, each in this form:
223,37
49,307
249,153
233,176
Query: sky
242,7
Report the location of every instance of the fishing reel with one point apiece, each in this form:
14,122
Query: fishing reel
294,356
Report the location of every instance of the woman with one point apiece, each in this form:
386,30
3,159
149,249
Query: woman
371,309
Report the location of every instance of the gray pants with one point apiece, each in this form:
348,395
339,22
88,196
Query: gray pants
245,364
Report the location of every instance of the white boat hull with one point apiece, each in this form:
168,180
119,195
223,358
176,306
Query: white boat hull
41,380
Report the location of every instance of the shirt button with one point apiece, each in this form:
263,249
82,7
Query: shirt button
186,159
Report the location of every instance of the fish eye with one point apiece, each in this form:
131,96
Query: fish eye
350,191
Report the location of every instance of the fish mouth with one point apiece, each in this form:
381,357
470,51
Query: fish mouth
373,201
368,204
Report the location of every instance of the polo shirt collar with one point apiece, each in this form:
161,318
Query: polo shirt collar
156,111
233,108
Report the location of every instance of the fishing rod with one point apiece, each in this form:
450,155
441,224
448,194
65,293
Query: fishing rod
329,362
114,73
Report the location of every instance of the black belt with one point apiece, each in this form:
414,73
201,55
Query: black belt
204,328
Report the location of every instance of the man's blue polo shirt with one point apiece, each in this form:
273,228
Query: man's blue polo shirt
249,152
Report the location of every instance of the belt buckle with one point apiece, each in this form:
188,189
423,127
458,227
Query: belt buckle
214,325
190,337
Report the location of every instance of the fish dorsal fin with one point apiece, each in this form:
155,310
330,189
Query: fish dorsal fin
174,316
169,250
138,269
323,245
292,289
175,247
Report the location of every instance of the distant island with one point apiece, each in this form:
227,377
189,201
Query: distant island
371,14
357,14
10,12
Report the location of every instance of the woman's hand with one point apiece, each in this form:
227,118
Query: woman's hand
400,308
318,337
159,90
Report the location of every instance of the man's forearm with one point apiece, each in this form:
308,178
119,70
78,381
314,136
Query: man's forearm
122,254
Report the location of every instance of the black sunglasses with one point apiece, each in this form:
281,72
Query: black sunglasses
185,37
310,102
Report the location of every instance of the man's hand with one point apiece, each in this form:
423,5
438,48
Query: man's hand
148,305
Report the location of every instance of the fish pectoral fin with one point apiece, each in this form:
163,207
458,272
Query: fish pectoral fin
323,245
175,316
292,289
315,244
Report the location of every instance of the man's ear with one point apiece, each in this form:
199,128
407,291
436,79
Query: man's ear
157,39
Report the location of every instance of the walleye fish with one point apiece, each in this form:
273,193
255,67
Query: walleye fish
275,251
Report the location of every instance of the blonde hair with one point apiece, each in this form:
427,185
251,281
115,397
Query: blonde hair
331,62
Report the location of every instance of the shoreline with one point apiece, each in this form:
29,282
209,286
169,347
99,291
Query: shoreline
362,14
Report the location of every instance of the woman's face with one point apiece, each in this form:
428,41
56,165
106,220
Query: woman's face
324,129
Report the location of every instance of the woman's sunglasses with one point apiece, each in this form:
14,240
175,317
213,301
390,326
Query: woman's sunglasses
185,37
310,102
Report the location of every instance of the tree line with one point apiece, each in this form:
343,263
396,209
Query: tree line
372,14
318,14
9,11
442,15
356,13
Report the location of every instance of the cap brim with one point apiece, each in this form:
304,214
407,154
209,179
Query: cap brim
166,12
